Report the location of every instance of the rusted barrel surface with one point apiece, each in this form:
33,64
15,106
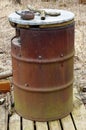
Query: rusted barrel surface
42,59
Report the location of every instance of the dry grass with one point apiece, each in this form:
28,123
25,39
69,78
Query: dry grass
7,32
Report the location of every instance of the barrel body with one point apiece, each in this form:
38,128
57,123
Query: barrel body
42,60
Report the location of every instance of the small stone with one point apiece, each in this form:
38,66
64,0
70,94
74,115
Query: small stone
2,100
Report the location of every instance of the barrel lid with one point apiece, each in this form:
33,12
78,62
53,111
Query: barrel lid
64,16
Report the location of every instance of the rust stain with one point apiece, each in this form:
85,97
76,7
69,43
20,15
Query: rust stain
43,72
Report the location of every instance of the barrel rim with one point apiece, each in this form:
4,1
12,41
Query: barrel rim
42,61
45,90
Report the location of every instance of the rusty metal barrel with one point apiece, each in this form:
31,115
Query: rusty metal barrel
42,60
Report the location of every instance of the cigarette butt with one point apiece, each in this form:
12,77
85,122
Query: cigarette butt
42,15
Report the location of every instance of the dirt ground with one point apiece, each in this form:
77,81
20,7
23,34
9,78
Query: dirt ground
7,32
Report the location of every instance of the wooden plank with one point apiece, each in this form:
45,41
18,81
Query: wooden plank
3,118
67,123
4,86
79,113
27,124
6,111
82,1
54,125
41,126
3,114
14,122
